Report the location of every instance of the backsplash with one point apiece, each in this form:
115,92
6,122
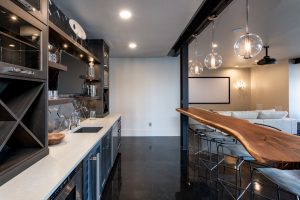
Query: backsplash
58,116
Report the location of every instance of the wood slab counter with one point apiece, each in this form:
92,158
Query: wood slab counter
267,146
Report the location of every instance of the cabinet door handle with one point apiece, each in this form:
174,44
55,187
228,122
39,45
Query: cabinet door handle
96,159
93,158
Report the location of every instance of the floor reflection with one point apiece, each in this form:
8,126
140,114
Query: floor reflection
154,168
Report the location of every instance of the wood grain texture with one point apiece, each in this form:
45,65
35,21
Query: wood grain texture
271,147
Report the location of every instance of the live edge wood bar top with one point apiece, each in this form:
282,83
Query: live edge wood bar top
268,146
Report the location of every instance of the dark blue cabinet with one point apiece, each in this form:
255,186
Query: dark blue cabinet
106,159
91,174
99,161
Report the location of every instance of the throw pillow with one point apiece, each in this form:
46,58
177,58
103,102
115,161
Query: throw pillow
245,114
272,114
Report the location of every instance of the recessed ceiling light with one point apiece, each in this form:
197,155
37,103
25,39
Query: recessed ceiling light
14,17
65,46
132,45
81,55
236,66
125,14
214,45
12,45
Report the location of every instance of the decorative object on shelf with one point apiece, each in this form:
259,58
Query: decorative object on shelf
267,60
91,70
195,66
55,138
249,44
92,114
213,60
92,90
77,29
54,53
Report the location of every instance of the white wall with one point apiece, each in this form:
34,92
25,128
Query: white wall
294,91
146,90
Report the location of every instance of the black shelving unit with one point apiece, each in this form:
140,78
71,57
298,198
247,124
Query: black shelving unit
23,91
101,50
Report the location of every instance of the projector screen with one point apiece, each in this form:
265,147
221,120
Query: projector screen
209,90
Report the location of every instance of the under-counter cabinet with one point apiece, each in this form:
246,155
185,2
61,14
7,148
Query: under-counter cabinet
99,161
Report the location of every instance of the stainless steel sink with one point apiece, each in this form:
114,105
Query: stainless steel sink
88,130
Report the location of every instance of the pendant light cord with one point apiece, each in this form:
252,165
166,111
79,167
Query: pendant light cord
247,16
213,35
195,49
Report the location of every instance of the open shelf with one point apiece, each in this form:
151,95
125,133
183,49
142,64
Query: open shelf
57,66
21,138
59,101
36,111
5,114
59,37
88,97
89,79
12,157
7,129
18,95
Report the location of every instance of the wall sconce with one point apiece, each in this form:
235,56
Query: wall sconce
240,85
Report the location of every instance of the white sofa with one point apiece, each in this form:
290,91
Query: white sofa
273,118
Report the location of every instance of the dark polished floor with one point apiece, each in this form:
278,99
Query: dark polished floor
154,168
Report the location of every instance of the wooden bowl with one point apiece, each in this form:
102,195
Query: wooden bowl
55,138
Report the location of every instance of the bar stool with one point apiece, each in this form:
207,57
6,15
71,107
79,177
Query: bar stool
205,155
197,131
288,180
241,155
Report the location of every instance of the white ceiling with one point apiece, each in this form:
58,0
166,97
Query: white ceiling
276,21
155,25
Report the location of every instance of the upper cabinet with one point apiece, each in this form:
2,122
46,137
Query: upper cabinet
23,43
37,8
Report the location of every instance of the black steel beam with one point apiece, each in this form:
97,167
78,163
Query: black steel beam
184,94
199,22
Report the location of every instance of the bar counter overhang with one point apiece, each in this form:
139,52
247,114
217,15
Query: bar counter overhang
268,146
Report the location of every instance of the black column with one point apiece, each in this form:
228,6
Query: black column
184,94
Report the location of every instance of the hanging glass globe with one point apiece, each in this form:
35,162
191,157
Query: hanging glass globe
213,60
195,68
248,46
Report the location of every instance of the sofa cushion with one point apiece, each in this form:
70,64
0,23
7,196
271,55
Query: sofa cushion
225,113
271,110
245,114
272,114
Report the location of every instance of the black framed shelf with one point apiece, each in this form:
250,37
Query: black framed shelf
58,37
89,79
60,100
89,97
57,66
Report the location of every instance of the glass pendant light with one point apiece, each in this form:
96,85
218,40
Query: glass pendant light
195,65
249,44
213,60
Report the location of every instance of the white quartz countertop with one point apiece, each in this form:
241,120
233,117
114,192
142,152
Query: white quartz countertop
41,179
